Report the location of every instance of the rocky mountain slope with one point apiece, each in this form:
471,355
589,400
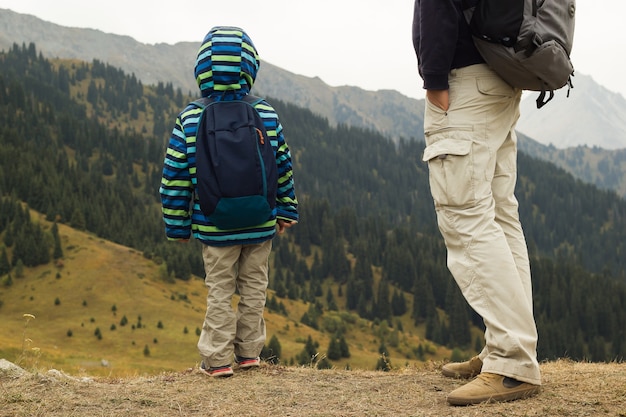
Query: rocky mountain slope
591,115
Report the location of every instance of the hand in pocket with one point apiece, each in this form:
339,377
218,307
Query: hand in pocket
439,98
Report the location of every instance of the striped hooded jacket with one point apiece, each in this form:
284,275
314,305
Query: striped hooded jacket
225,69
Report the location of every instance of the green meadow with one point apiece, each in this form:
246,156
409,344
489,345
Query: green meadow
104,309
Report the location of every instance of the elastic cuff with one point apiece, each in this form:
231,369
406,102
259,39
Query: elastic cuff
436,81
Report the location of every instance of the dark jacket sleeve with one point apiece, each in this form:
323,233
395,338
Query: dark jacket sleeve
435,31
442,40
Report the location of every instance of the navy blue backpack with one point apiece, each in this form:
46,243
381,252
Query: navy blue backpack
235,164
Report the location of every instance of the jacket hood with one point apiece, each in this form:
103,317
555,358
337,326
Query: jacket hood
227,61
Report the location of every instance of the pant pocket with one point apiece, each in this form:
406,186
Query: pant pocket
451,169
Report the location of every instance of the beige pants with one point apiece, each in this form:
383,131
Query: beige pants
472,159
224,333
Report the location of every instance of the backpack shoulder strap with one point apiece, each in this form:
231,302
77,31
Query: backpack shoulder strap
203,102
248,98
252,99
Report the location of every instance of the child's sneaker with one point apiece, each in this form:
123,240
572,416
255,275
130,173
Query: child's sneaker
247,363
218,371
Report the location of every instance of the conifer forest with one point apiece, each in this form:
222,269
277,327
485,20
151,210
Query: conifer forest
83,143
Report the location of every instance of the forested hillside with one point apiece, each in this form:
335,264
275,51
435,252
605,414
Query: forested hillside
83,143
386,111
602,167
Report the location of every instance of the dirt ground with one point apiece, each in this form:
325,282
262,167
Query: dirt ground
569,389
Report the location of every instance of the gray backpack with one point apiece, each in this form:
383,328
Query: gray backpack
527,42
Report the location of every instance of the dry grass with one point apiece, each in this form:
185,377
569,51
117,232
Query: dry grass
570,389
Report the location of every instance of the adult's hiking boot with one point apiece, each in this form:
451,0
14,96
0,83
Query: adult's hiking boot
467,369
489,387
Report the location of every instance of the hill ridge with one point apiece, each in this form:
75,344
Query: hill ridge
78,305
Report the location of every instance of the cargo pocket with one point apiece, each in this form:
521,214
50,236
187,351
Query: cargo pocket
450,168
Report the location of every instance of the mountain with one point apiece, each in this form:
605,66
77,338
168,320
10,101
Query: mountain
604,168
565,122
386,111
591,116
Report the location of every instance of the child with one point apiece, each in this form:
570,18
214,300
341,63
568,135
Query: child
225,69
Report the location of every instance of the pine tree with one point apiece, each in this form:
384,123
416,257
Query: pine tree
78,219
7,281
9,237
343,347
58,250
293,290
324,363
398,303
275,347
5,267
279,287
456,306
363,274
423,300
19,269
383,364
334,351
362,307
383,306
311,346
330,300
272,352
308,355
301,272
310,317
352,294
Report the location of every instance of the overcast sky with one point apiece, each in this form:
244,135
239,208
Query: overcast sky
364,43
